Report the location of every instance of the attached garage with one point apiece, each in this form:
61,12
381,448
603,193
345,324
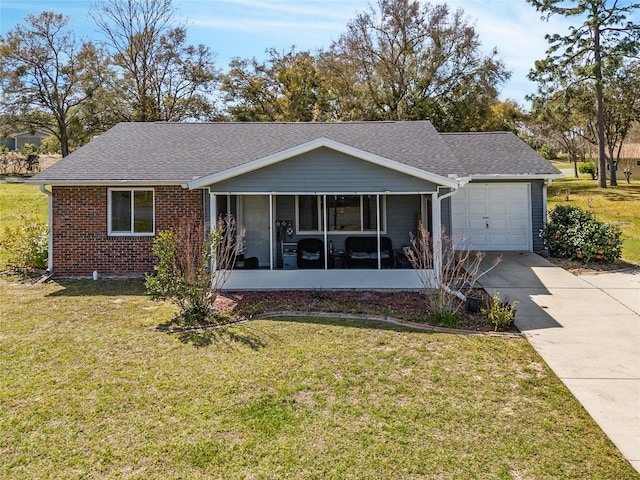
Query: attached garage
492,216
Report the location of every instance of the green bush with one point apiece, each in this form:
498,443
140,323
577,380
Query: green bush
27,244
186,287
186,273
577,234
500,313
589,168
548,151
50,144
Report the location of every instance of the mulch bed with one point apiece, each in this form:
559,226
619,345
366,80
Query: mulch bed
577,267
401,305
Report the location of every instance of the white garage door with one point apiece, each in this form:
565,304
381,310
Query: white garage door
492,216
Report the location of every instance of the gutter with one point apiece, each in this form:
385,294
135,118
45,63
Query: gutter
49,194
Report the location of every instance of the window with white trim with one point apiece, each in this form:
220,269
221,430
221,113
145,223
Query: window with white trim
131,211
345,213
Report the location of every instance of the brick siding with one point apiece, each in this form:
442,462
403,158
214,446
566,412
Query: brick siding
80,240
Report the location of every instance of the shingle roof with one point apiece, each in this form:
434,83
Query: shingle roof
180,152
496,154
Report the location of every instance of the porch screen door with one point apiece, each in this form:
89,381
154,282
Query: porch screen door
255,220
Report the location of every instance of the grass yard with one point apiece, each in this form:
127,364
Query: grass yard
90,390
17,199
619,205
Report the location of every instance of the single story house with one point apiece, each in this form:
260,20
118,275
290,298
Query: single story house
629,160
17,141
324,205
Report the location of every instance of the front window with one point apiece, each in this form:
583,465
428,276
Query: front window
131,212
345,213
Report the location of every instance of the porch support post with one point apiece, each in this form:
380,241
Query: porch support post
437,244
325,234
213,221
436,213
271,230
378,231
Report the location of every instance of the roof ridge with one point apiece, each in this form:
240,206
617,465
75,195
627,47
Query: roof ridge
338,122
500,132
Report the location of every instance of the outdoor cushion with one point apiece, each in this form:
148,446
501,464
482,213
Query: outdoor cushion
310,255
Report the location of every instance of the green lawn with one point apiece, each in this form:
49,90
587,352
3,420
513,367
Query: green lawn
90,390
619,205
17,199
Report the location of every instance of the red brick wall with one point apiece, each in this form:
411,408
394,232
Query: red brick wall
80,240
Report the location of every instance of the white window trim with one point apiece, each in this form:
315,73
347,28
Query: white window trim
131,233
322,208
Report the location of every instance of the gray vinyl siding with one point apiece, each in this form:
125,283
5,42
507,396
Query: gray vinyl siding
537,213
445,215
323,170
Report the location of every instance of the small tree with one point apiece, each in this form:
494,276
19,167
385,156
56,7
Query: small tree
192,267
626,164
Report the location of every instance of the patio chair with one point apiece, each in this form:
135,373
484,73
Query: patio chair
310,253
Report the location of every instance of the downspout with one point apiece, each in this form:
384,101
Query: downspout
50,226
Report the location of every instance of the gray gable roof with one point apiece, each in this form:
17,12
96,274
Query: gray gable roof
486,154
180,152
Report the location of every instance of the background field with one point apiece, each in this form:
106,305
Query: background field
618,205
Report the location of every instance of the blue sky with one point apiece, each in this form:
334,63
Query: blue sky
245,28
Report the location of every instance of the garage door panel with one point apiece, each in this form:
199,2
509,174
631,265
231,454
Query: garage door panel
518,195
476,195
475,239
518,224
478,209
497,240
476,223
516,210
497,195
498,223
504,207
518,239
498,209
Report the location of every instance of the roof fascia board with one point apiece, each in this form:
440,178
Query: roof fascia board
314,145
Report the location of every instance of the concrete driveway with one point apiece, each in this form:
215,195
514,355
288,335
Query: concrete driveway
587,329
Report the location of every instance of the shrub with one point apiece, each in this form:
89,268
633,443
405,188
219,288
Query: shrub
50,144
589,168
500,313
548,151
27,244
577,234
188,274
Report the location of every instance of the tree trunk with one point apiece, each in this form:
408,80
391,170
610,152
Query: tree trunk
602,164
613,169
63,137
